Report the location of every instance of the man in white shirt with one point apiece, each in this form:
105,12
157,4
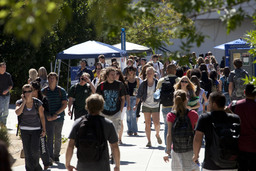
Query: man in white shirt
158,66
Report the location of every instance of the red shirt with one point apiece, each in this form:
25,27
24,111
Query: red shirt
246,110
192,115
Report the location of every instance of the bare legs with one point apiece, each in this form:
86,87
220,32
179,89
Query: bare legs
156,121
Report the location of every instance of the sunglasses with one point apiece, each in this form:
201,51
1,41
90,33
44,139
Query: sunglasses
30,91
184,81
83,79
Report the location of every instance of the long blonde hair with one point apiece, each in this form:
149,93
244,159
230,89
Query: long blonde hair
179,102
189,87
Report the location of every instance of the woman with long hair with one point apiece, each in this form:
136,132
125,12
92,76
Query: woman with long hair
120,77
200,93
215,82
133,84
186,85
182,152
42,74
32,126
206,83
45,156
150,108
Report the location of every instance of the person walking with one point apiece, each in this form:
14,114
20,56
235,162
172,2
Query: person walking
57,101
82,69
224,84
77,95
236,84
113,92
5,87
245,109
165,85
181,123
133,84
221,132
32,126
150,108
86,161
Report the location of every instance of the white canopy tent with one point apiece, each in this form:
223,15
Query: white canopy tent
133,48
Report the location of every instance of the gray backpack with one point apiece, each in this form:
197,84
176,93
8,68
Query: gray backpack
238,91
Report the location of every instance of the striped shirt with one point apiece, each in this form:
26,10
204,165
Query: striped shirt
55,99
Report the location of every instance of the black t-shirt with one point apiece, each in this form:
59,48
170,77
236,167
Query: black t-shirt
112,93
204,125
110,135
5,83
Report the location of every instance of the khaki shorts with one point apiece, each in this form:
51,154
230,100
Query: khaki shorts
150,110
116,119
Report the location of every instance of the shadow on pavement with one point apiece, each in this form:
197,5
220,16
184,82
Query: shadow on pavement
127,145
59,166
156,148
126,162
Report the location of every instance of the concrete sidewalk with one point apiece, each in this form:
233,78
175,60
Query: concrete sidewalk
134,153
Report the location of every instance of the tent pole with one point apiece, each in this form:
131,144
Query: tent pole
55,65
59,69
68,73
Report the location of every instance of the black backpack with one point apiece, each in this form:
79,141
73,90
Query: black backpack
166,94
224,146
182,133
90,140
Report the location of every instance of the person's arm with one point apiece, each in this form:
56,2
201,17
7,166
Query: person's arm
197,145
19,107
205,101
69,154
42,118
7,90
168,141
220,85
230,88
116,155
92,87
136,104
70,103
64,104
128,101
122,103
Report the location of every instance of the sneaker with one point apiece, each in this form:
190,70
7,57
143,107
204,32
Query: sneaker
135,133
159,140
149,144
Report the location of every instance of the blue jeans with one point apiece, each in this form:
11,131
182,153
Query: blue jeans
165,111
31,145
227,98
131,117
4,108
53,132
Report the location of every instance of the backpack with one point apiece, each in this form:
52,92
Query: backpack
238,84
182,133
36,103
225,84
90,140
224,146
166,94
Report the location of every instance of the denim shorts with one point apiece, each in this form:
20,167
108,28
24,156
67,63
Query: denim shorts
150,110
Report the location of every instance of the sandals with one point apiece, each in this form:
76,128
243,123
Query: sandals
149,144
159,140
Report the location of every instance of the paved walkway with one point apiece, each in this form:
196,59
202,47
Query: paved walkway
134,153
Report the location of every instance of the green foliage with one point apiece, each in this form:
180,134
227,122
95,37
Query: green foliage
4,135
250,80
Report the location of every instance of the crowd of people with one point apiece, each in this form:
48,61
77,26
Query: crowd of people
189,97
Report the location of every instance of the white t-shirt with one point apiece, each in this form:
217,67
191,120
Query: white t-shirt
150,98
158,67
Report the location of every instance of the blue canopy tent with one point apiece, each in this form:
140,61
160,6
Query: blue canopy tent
89,49
240,47
235,44
134,48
